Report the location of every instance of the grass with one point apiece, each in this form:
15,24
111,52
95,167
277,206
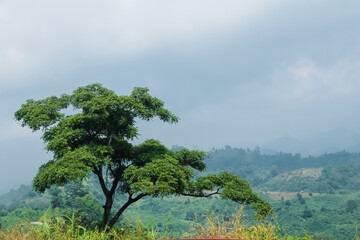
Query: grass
60,229
214,228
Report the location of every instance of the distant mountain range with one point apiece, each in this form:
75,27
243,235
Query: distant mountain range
332,141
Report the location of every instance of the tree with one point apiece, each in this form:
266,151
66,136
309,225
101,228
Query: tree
56,197
97,138
300,197
351,205
307,213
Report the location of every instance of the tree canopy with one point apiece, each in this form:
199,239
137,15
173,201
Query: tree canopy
97,139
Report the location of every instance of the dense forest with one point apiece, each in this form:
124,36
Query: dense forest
316,195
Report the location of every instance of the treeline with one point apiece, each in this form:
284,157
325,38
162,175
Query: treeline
234,158
338,172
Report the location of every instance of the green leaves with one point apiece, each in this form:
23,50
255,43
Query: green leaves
72,166
148,151
95,99
147,107
168,176
230,187
97,135
41,114
164,176
192,159
97,139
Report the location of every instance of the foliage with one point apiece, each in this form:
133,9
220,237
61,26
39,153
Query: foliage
18,216
351,205
97,138
325,216
300,197
330,218
307,213
330,208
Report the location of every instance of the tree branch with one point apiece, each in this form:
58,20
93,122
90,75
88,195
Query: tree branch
126,205
98,172
114,185
138,197
207,195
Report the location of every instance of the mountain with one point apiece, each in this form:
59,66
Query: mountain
353,149
331,141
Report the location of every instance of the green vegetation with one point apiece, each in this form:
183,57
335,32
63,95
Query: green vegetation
97,173
319,195
326,216
324,203
97,139
214,227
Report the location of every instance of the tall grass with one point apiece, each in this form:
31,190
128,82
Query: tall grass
216,228
60,229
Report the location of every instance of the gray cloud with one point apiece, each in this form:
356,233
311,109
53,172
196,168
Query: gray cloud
236,72
65,34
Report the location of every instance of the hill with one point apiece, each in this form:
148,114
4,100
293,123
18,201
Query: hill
331,141
319,195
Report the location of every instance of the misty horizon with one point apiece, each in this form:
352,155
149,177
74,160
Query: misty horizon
239,74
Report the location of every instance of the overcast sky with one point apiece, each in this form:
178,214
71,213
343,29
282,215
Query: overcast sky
236,72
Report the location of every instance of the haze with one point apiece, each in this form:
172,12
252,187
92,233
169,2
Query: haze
238,73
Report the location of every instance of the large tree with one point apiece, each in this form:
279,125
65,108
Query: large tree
97,138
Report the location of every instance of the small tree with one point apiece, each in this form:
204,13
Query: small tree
97,139
56,197
351,205
300,197
307,213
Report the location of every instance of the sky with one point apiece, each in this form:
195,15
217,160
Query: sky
238,73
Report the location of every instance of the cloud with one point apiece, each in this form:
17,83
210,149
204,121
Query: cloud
301,98
46,35
307,81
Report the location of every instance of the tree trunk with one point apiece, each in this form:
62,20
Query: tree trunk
124,207
109,194
118,214
109,197
107,210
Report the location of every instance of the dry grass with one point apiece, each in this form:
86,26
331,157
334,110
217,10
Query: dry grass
304,172
215,228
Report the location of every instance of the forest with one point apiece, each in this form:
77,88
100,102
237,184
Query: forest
318,196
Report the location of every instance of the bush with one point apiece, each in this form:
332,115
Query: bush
351,205
307,213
